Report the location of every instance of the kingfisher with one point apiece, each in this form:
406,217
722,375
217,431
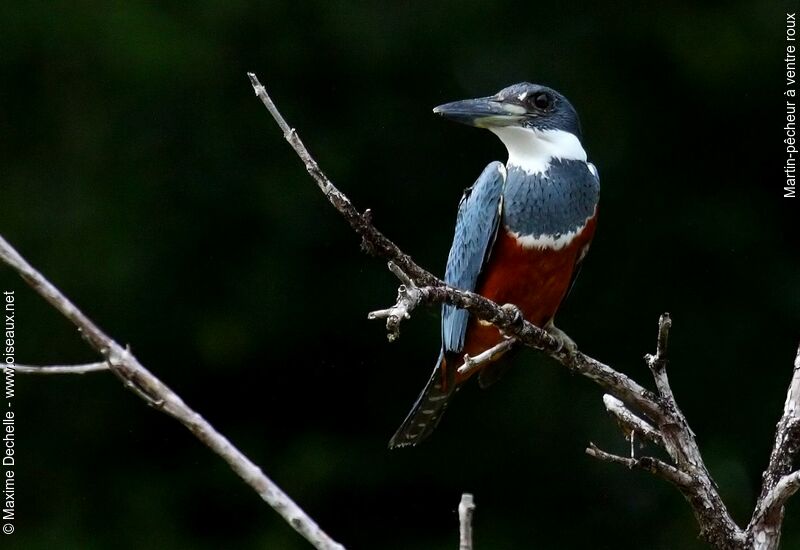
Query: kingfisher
522,231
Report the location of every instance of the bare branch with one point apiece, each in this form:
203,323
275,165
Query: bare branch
778,484
646,463
787,434
671,431
400,274
616,383
507,319
61,369
408,298
434,291
658,362
373,241
630,422
768,516
655,415
488,356
466,509
145,384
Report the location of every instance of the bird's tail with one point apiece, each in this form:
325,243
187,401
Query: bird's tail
427,411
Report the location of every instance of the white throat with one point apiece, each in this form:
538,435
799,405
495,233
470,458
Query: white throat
531,149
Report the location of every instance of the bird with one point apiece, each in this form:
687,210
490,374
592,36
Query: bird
522,231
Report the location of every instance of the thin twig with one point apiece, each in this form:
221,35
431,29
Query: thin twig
373,241
486,357
145,384
631,422
61,369
646,463
408,298
658,362
466,509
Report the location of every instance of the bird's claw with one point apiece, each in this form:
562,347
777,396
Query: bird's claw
565,343
517,316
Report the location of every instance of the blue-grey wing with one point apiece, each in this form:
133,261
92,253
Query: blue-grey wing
476,227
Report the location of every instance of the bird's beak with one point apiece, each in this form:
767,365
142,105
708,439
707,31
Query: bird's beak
484,112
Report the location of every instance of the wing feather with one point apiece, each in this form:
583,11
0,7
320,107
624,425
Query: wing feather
479,214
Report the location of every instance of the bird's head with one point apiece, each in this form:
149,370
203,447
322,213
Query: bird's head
536,123
523,105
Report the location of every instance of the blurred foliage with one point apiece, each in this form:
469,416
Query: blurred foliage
143,177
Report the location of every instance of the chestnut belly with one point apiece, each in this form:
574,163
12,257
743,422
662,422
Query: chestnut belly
534,279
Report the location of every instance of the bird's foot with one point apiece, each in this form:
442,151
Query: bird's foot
565,342
516,314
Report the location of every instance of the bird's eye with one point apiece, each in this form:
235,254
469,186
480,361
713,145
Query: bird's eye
541,101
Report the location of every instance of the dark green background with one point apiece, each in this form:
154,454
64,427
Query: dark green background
141,175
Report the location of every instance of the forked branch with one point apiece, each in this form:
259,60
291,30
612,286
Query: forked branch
654,415
147,386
